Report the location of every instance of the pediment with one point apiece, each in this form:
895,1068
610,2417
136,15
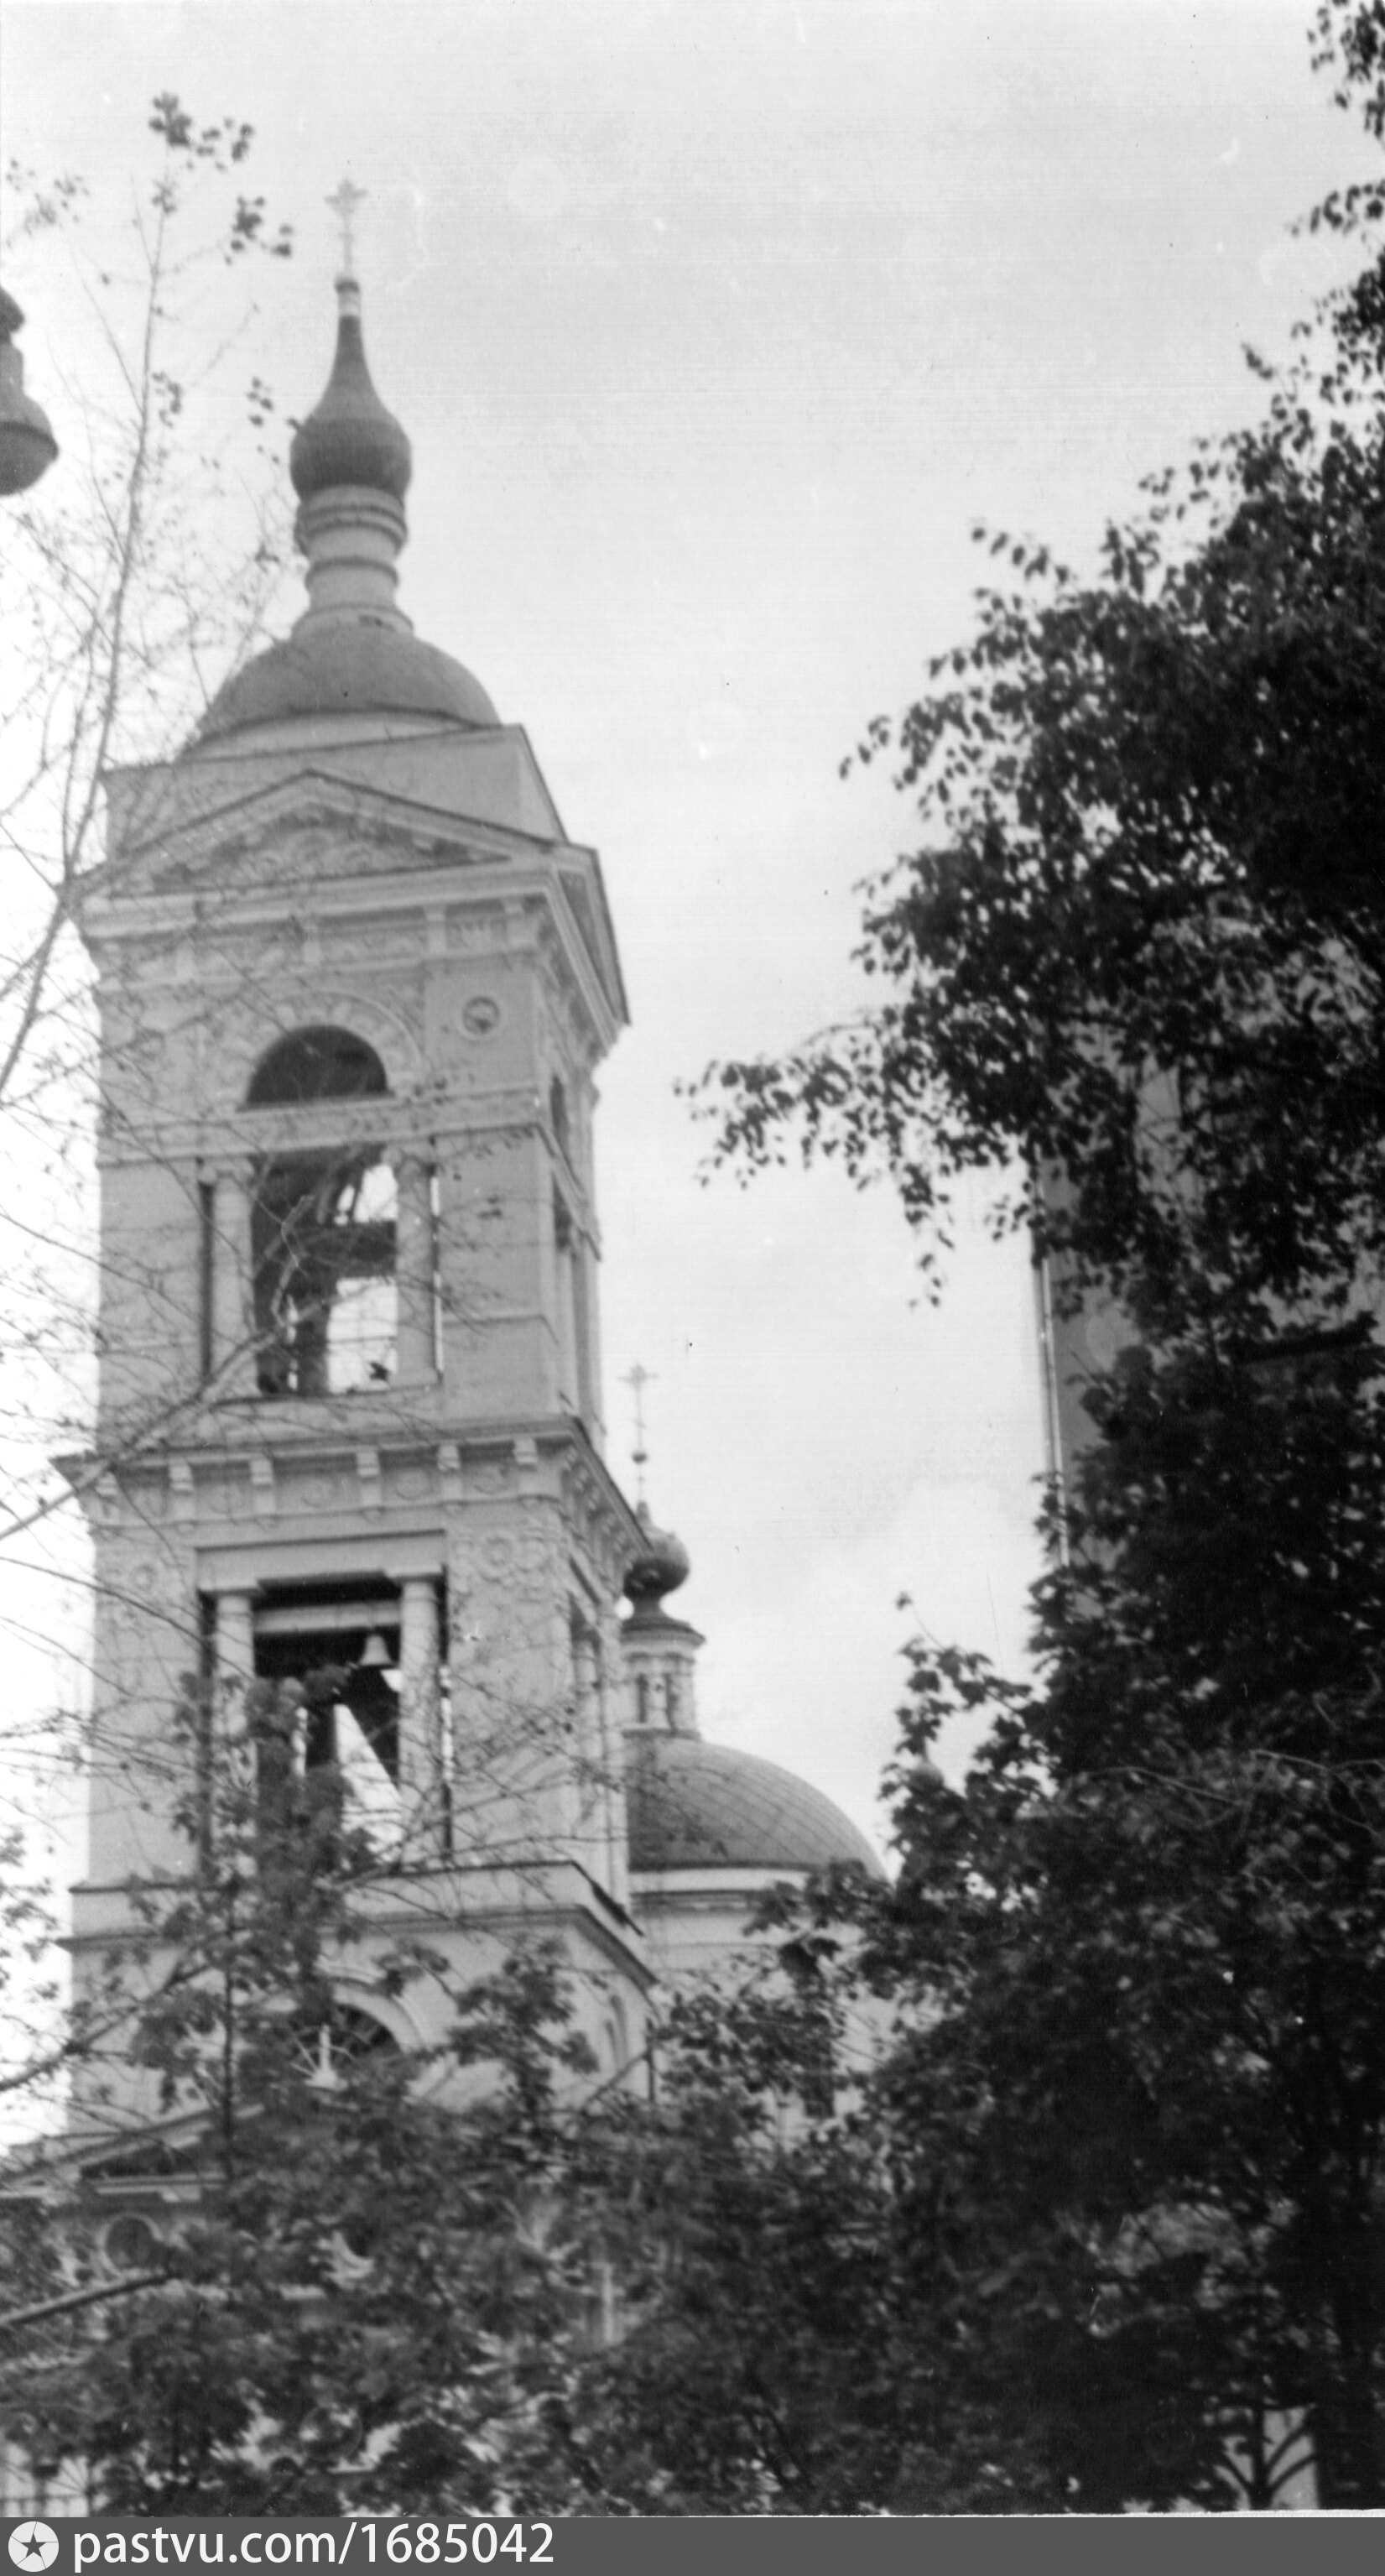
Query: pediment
292,834
432,787
312,830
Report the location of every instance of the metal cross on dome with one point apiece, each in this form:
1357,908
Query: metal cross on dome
639,1378
343,206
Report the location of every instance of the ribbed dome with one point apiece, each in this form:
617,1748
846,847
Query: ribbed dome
696,1806
350,667
350,437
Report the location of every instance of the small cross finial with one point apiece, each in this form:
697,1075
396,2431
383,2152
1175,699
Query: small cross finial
343,206
639,1378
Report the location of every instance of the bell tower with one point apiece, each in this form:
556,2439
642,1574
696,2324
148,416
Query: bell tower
354,982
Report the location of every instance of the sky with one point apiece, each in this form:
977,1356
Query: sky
715,331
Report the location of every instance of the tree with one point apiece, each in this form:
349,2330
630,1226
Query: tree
131,582
755,2369
797,2256
371,2271
1135,967
323,2271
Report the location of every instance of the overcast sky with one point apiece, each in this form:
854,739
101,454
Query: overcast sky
714,328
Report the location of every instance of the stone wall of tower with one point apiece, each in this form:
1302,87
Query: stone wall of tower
467,1485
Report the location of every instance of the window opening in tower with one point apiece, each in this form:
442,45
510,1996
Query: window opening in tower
334,1652
323,1242
324,1229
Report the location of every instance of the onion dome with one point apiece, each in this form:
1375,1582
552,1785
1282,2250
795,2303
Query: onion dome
662,1564
350,438
27,444
693,1806
353,651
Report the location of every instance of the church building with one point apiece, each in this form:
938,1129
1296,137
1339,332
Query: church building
354,983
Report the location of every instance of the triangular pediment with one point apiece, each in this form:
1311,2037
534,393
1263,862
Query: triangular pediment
489,780
313,829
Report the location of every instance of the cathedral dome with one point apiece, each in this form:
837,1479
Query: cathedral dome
695,1806
347,667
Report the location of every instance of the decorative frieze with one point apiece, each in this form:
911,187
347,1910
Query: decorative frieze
522,1507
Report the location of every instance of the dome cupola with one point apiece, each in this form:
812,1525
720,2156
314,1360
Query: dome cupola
27,444
696,1808
350,463
353,652
660,1652
662,1564
350,438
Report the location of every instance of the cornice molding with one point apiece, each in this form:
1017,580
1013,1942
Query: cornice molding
285,1462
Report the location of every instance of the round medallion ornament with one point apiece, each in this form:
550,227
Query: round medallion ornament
481,1015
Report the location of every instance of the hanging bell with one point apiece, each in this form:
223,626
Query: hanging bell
27,444
375,1656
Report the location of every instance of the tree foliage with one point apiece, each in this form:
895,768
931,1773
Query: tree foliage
367,2270
460,2277
1138,937
1134,965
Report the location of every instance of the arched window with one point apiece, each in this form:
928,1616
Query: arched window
343,2037
316,1064
323,1231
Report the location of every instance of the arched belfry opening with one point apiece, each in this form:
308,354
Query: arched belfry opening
324,1229
316,1064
